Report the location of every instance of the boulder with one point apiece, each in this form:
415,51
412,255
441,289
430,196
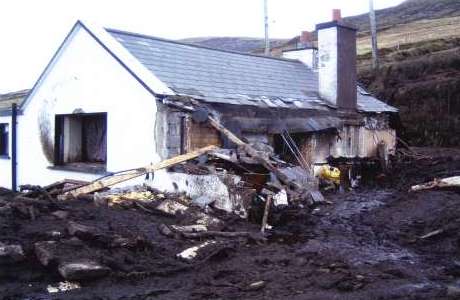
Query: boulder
11,254
82,270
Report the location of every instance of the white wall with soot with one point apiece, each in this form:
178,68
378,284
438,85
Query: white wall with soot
84,77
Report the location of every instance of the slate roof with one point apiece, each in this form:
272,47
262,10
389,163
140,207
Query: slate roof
220,76
6,100
237,78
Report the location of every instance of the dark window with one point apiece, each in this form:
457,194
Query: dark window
4,133
81,141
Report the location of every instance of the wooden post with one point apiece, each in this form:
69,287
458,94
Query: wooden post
266,211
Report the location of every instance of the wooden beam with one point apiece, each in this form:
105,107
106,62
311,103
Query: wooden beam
128,175
260,158
438,183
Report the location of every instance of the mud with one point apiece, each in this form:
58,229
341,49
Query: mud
365,245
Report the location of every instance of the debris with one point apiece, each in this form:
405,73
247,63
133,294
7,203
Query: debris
62,286
257,155
171,207
81,231
131,174
190,228
431,234
190,253
268,202
317,197
280,198
224,234
438,183
11,254
82,270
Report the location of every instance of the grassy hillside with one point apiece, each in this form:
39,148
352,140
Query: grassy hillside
419,50
407,12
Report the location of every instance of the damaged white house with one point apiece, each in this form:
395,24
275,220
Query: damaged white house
111,100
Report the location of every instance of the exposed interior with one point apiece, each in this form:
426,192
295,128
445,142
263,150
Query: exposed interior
81,141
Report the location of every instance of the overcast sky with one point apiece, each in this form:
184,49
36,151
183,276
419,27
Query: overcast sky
31,30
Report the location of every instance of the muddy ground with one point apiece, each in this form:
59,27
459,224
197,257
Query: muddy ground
365,245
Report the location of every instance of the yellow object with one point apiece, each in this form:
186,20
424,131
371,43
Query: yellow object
330,173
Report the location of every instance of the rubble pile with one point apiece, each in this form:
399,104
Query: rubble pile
140,243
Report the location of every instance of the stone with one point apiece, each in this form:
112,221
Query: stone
81,231
82,270
60,214
11,254
256,285
46,252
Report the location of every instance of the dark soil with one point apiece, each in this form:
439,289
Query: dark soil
366,245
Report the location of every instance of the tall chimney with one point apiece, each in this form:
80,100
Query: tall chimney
337,63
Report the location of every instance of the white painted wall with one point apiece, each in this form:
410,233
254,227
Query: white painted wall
85,77
5,163
306,56
327,63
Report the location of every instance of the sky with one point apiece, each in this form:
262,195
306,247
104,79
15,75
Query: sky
32,30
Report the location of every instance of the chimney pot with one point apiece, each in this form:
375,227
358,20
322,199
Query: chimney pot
306,38
336,15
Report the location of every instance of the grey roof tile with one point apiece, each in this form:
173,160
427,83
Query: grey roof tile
215,75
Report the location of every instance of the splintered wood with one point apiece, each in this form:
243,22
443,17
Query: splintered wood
128,175
438,183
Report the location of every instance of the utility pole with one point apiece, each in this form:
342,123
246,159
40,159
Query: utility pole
267,40
375,54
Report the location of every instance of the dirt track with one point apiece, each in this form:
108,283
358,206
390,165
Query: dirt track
365,245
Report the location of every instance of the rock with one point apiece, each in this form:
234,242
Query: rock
256,285
11,254
46,252
60,214
81,231
82,270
